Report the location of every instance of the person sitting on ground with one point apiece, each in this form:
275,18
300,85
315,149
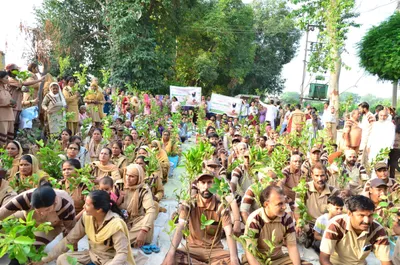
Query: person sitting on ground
335,207
350,238
107,232
266,222
315,157
104,167
382,172
204,246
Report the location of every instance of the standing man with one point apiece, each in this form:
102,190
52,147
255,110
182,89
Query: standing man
267,221
352,132
272,113
350,238
382,135
366,126
330,124
205,245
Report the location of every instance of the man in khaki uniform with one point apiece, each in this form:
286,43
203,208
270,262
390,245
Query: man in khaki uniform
316,198
267,221
205,245
350,238
292,175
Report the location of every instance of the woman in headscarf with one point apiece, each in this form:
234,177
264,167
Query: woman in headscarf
162,159
104,167
106,230
28,166
147,105
94,146
54,105
118,157
6,111
138,202
72,97
14,150
94,100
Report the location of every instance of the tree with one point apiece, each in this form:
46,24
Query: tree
277,40
379,52
332,18
291,98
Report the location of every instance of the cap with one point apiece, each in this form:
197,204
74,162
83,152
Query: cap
315,149
377,182
270,142
203,175
380,165
211,163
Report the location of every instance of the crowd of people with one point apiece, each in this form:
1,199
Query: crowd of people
290,177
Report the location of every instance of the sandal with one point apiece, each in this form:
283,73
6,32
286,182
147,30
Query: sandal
155,248
146,249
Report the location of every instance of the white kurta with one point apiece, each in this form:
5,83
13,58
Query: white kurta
382,136
366,126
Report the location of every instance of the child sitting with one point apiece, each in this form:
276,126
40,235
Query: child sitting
335,207
107,184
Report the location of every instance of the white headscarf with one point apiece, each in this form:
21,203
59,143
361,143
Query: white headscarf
64,103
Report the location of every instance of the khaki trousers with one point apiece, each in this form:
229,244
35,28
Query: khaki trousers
138,223
200,256
6,131
73,126
284,260
83,258
331,129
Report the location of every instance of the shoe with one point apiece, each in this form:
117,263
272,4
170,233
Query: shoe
146,249
155,248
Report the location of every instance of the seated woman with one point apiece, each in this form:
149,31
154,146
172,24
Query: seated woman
138,202
69,168
50,205
135,137
162,158
94,146
118,157
14,150
106,231
6,192
83,154
28,166
64,138
104,167
129,148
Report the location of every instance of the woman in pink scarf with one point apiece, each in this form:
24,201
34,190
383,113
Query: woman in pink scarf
147,104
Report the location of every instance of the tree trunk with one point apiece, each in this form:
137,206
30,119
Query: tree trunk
334,83
394,94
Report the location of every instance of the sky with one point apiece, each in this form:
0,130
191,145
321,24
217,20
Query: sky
355,80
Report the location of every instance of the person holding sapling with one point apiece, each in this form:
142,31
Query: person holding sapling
162,157
382,172
49,205
241,178
94,100
118,157
204,241
315,157
271,223
315,200
350,238
292,176
106,230
72,97
335,207
14,151
138,202
95,144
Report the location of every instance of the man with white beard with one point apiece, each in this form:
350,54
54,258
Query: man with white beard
382,135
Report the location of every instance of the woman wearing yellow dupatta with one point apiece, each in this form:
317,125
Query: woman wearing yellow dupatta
104,167
28,165
14,150
94,146
118,157
162,159
94,100
107,233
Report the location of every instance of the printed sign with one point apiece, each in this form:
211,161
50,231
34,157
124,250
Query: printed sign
221,104
187,96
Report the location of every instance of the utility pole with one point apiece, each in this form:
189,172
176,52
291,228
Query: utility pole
309,27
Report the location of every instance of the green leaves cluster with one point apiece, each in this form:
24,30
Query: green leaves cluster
301,191
5,160
17,238
49,157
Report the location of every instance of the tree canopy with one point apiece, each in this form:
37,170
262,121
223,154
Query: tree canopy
379,49
224,46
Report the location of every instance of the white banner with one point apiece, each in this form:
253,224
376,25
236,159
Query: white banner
221,104
187,96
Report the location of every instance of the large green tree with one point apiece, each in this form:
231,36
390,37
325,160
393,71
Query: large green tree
379,51
333,19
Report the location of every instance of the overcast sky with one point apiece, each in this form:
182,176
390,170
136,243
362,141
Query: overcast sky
372,12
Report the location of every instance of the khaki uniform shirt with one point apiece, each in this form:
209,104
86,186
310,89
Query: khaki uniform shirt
155,183
14,87
317,202
290,181
114,249
260,227
346,247
213,211
72,99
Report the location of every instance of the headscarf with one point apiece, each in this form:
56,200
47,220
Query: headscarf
15,164
146,99
35,169
133,206
350,152
161,154
64,103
